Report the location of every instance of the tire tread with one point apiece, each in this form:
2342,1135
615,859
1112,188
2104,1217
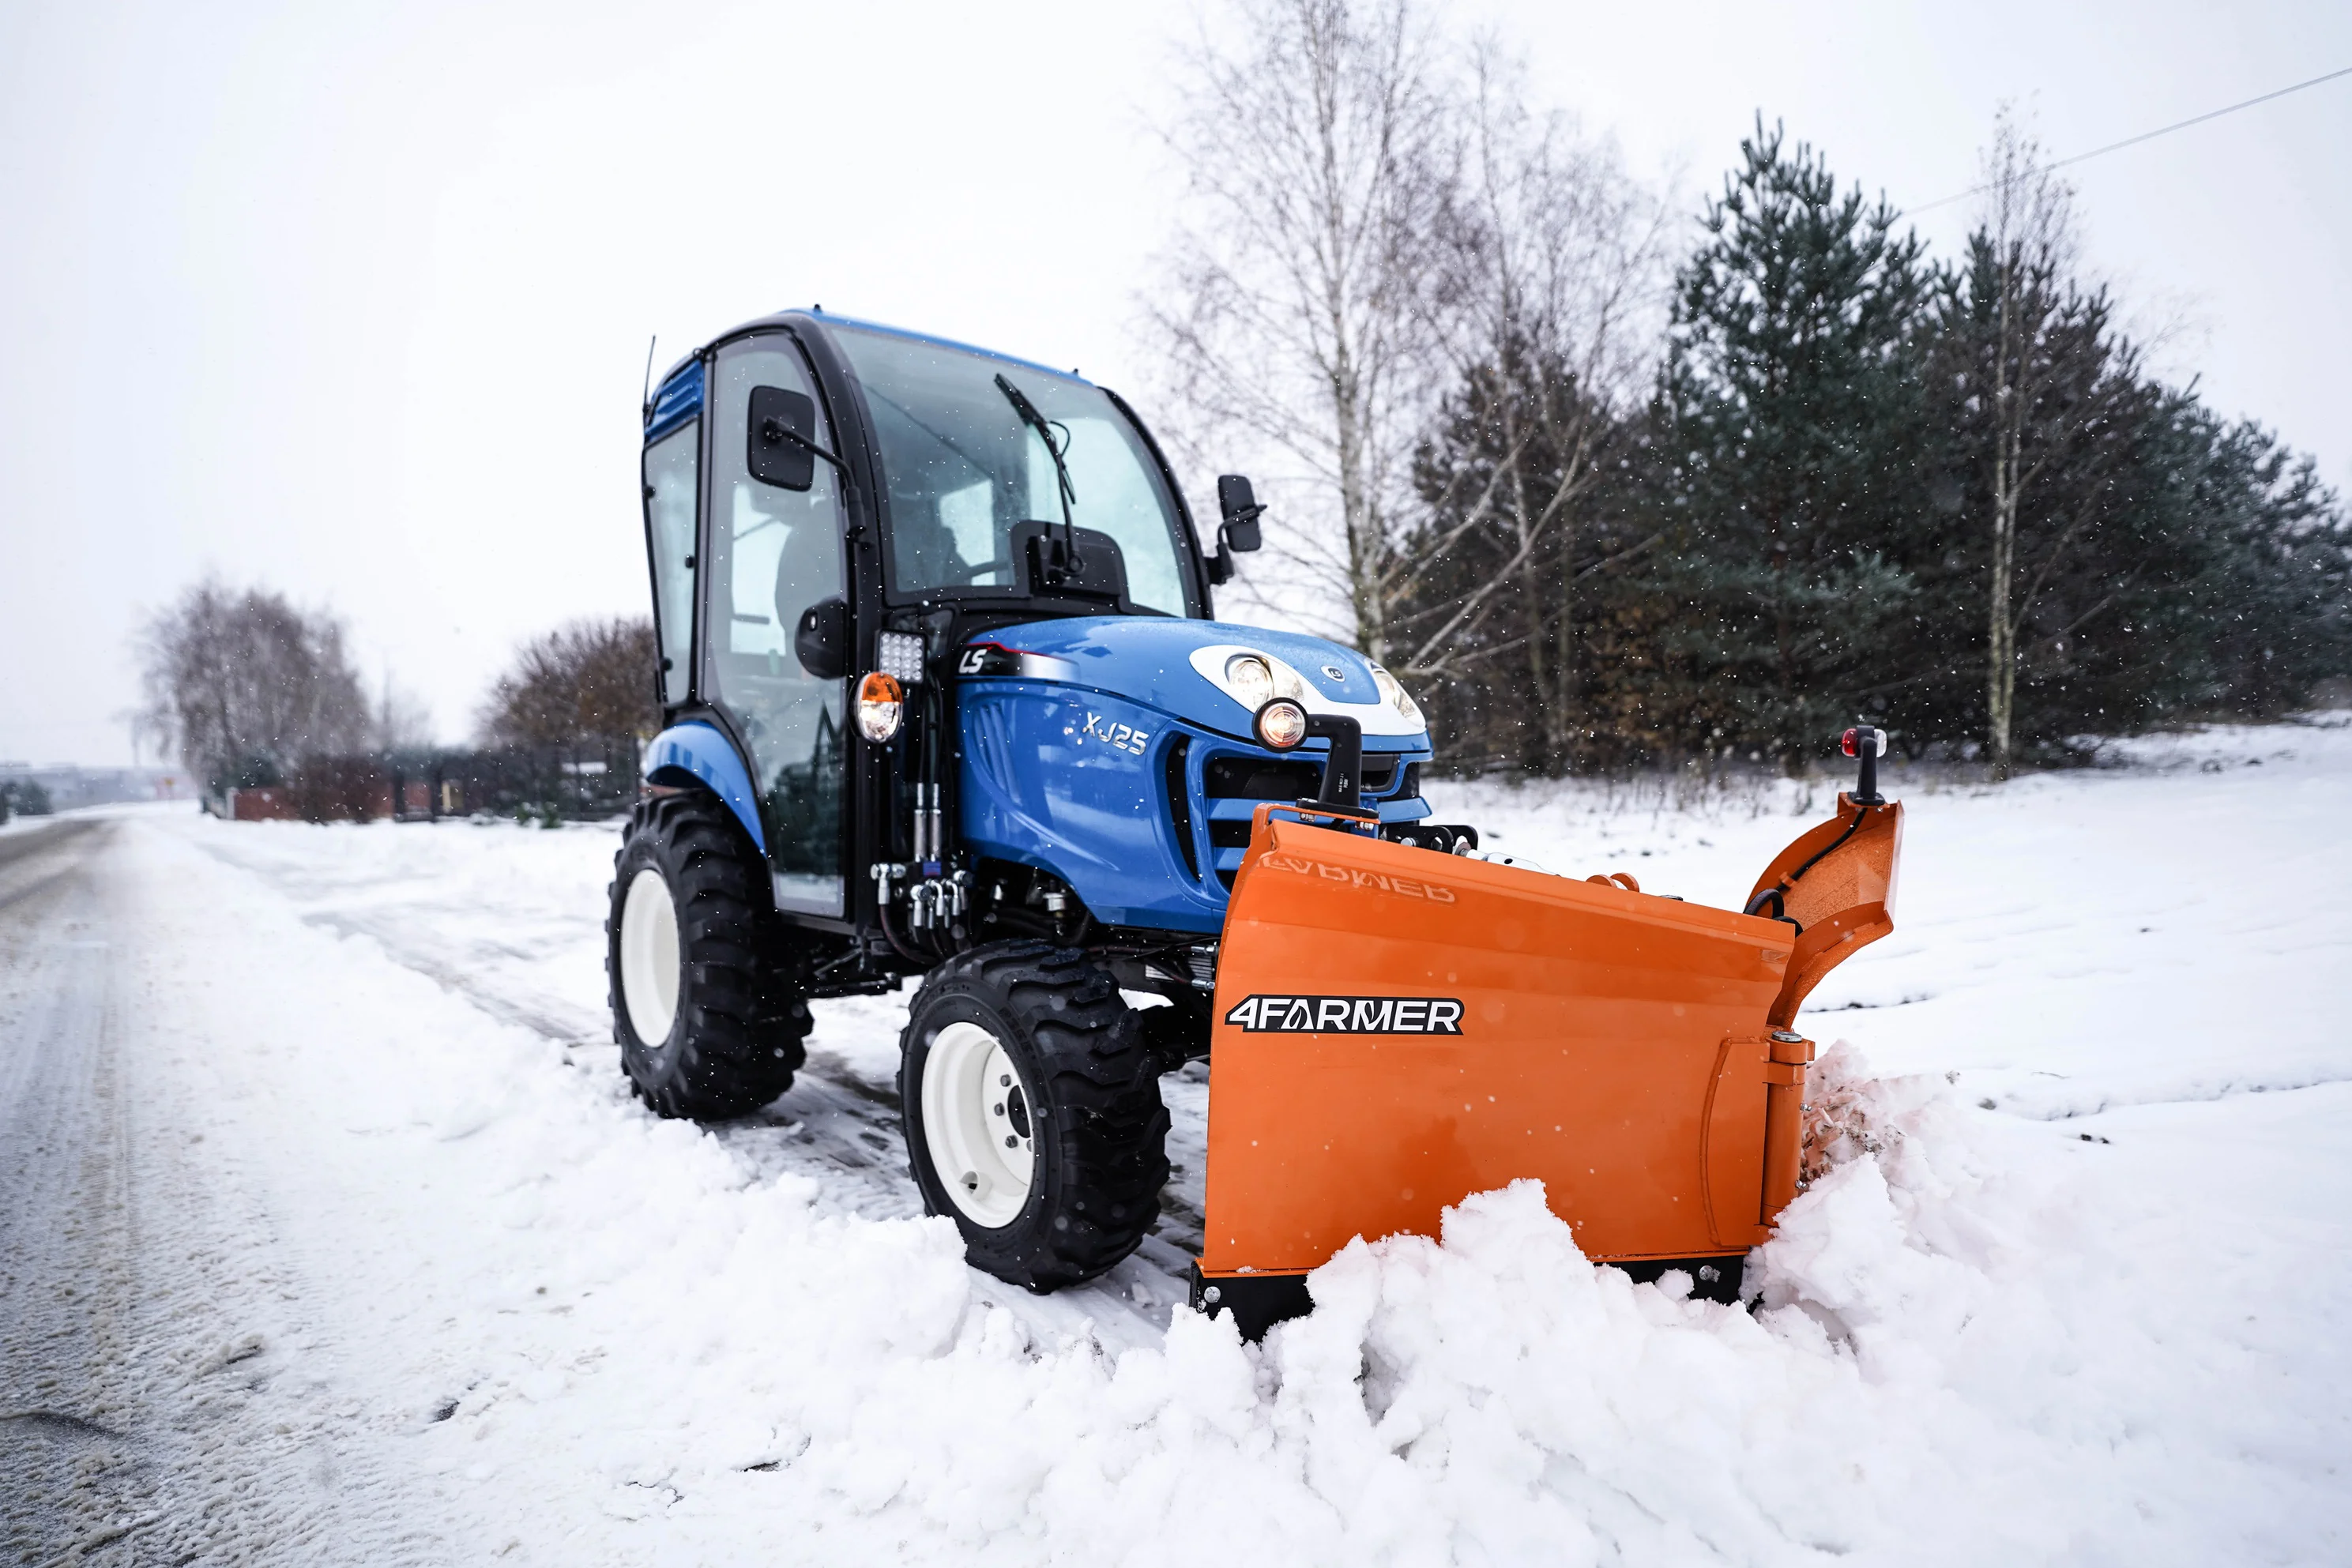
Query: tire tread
745,1022
1104,1078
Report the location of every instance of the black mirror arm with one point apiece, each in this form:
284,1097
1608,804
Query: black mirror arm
774,430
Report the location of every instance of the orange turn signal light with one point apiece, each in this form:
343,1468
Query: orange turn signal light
881,707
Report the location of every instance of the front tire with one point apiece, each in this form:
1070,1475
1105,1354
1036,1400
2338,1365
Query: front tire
710,1024
1033,1114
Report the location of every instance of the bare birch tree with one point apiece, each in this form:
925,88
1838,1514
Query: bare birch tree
2029,217
243,686
1549,255
1317,146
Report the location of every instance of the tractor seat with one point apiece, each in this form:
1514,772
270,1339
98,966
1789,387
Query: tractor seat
808,569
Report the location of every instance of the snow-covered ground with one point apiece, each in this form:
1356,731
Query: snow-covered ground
2080,1289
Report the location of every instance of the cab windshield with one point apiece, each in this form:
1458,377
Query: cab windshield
963,469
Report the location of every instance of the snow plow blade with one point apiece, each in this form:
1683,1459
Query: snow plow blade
1396,1030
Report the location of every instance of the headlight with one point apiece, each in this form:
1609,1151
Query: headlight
1251,680
1397,697
881,705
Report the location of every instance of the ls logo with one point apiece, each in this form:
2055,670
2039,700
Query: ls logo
1118,737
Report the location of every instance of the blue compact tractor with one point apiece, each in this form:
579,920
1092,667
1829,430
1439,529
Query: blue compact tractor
943,696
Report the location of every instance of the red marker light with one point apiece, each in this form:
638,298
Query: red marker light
1850,743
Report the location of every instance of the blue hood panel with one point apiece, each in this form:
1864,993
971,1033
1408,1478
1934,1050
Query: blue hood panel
1147,659
1102,754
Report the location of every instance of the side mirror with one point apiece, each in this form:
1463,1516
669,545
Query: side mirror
781,429
821,641
1238,503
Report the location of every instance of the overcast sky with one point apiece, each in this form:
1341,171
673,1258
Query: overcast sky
352,300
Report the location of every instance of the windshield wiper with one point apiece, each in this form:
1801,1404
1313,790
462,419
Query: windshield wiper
1064,561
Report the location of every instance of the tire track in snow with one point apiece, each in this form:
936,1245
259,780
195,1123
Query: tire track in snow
2058,1109
838,1123
144,1418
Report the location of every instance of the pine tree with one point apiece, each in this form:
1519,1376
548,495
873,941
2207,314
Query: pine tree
2042,412
1952,499
1793,420
2148,560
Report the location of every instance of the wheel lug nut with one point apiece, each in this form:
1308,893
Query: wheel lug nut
1010,1141
1000,1108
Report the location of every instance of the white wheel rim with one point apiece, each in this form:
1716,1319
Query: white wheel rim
972,1124
649,956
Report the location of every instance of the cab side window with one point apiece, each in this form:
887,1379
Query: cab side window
669,476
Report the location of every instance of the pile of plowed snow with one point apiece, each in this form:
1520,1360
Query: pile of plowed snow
2062,1288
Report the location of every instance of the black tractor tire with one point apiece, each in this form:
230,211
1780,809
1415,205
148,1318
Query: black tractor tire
1088,1106
739,1028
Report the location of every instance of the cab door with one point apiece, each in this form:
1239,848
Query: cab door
772,549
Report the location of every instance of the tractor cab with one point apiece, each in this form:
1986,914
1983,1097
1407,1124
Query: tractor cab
844,522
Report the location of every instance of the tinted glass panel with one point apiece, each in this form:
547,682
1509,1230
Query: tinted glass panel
670,532
963,468
773,553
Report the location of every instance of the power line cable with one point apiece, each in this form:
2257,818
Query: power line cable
2146,136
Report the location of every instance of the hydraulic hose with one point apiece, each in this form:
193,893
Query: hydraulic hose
1777,895
882,913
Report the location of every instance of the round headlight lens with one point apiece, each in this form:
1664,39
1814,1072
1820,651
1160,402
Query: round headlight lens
1252,679
1281,724
881,707
1397,697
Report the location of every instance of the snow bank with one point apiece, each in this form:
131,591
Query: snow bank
1921,1384
1946,1369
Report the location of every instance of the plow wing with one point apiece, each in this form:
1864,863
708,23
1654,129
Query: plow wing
1397,1029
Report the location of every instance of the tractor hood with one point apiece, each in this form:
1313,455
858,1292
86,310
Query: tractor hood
1177,667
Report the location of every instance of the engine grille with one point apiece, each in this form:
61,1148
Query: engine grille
1233,783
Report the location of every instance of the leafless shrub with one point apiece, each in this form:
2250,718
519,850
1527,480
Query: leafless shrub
1551,270
586,681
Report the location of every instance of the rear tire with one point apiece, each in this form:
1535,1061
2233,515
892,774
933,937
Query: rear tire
1032,1104
711,1025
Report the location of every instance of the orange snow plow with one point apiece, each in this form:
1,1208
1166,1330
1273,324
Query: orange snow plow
1397,1029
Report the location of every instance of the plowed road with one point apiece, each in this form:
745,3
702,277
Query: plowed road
139,1421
